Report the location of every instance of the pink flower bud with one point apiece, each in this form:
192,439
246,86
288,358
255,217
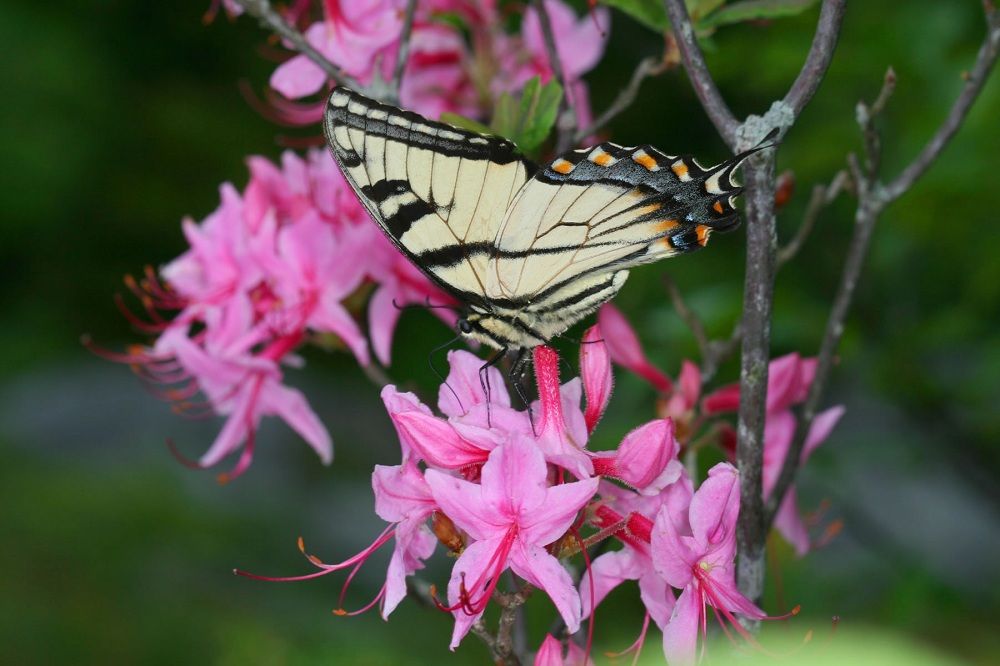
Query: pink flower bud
625,350
595,369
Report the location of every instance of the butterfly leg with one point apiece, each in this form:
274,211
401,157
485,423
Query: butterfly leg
484,380
517,375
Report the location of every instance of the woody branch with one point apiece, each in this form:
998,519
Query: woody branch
761,261
873,198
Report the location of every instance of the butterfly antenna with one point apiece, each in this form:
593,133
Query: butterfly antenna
431,306
444,380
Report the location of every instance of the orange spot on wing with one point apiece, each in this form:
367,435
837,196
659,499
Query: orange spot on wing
562,166
680,169
664,226
646,161
602,160
717,207
703,234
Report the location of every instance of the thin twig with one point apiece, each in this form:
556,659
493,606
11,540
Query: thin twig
689,316
831,16
404,48
822,196
647,67
865,115
566,124
872,200
701,79
271,19
974,81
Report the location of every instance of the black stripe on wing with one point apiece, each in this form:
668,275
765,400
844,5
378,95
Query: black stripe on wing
401,197
422,133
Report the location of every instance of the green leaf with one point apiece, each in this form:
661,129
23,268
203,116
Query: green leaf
753,10
527,120
650,13
706,15
464,123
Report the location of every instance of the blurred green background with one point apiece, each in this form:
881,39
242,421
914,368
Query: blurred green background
121,117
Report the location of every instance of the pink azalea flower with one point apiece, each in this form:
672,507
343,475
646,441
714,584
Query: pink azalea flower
356,35
580,43
244,387
634,514
474,425
551,654
471,428
362,37
510,517
778,433
403,497
700,563
789,378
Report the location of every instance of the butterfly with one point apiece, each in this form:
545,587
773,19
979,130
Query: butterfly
528,251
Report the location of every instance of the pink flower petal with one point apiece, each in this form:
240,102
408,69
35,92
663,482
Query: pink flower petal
783,381
515,479
414,544
436,442
382,317
789,523
400,492
470,567
644,453
538,567
671,553
550,519
822,425
690,383
299,76
397,403
463,389
332,317
625,350
715,506
608,572
463,503
294,410
550,653
680,636
724,399
657,596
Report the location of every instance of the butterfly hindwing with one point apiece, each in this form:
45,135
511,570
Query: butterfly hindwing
438,192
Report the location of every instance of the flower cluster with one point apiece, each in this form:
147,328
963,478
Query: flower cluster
789,379
272,267
268,270
444,71
504,488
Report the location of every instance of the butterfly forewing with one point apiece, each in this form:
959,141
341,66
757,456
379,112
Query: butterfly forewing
437,191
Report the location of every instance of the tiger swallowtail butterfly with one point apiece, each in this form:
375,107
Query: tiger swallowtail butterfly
528,250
